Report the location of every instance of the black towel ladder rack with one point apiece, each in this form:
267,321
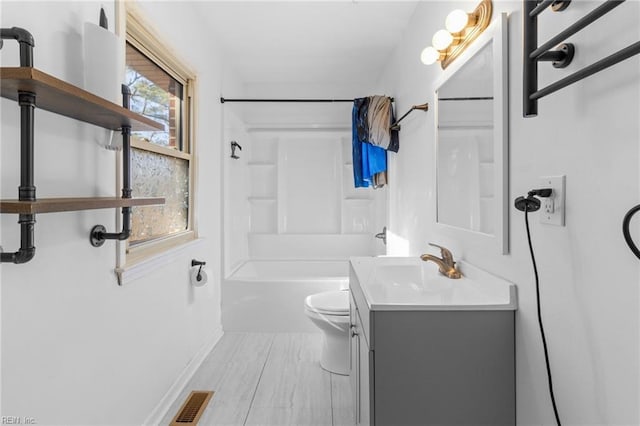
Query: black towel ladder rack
559,54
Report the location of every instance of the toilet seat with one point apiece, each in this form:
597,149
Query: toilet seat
334,303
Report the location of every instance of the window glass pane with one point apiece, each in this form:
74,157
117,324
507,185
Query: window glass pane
157,175
156,95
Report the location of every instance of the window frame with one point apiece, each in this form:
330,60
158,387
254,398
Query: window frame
135,30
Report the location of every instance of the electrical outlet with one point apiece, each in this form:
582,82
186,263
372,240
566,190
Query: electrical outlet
553,208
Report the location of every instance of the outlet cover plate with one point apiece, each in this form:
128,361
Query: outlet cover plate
558,196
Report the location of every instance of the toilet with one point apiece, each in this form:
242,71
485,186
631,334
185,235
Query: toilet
330,312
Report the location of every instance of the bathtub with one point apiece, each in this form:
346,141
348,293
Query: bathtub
268,295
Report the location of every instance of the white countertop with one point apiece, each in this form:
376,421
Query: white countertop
408,283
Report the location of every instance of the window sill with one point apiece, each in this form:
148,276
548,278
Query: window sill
129,273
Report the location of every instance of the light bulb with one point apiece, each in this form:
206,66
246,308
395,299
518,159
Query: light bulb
456,21
429,55
442,39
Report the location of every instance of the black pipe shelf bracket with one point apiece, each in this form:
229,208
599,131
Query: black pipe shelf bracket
99,234
24,85
558,53
27,189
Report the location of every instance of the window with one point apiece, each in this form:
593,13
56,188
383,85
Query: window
161,161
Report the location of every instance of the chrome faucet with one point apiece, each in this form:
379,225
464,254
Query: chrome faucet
446,265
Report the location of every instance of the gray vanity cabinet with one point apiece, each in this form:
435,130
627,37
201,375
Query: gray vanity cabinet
431,367
361,357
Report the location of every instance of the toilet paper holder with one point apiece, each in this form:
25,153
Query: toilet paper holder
200,263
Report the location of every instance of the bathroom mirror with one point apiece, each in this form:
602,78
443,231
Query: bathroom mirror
471,143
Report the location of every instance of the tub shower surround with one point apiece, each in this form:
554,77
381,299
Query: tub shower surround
268,295
301,183
303,220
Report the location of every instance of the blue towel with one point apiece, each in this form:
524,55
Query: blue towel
367,159
374,160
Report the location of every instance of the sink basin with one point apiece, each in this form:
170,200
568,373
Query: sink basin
408,283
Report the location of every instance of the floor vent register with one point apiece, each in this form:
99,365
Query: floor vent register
192,408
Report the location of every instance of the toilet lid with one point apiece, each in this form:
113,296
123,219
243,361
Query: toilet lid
329,302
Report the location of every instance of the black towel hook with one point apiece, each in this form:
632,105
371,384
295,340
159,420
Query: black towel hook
235,145
198,263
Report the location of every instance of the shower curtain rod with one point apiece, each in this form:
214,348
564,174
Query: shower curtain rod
394,126
223,100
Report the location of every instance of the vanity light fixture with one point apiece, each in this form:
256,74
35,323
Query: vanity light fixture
431,55
442,40
461,29
458,20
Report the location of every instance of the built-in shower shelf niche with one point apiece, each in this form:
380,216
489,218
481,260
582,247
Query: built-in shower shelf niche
264,181
357,203
263,149
262,199
261,164
301,192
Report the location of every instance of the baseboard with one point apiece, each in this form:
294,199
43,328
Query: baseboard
167,400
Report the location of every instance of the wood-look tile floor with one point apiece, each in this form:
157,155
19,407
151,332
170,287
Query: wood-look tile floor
271,380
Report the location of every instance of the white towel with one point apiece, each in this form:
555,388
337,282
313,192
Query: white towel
379,120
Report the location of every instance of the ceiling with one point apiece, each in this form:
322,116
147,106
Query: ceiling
302,42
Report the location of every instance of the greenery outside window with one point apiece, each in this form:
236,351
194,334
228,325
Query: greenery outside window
161,161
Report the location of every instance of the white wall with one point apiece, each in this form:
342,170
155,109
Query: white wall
236,190
76,348
589,278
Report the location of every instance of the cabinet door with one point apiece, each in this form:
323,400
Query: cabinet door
354,355
360,374
364,364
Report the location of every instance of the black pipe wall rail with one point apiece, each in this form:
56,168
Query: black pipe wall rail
583,22
540,7
99,233
563,54
27,189
607,62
